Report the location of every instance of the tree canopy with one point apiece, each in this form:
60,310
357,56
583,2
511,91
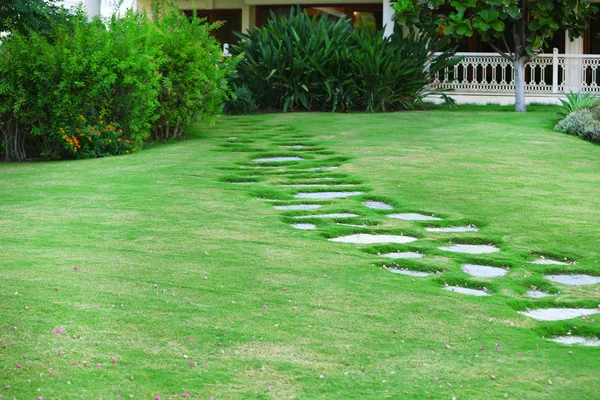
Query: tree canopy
22,15
517,29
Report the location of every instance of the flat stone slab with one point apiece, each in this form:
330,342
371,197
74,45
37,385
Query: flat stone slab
559,314
569,340
377,205
536,294
366,238
413,217
575,280
454,229
470,248
472,292
321,168
483,271
327,195
306,227
339,215
353,225
409,272
320,184
295,146
299,207
406,254
545,261
278,159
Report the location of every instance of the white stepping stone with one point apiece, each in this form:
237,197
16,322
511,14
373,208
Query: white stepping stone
243,183
320,185
472,292
470,248
545,261
574,279
366,238
299,207
483,271
408,272
321,168
306,227
323,179
569,340
413,217
406,254
455,229
296,146
377,205
340,215
353,225
327,195
265,167
559,314
536,294
278,159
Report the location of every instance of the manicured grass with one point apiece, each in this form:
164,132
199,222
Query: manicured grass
182,242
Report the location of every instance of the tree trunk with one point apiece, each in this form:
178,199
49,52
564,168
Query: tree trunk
519,65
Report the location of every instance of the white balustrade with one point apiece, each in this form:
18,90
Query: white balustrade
547,73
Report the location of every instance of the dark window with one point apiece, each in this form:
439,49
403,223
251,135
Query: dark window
369,16
231,21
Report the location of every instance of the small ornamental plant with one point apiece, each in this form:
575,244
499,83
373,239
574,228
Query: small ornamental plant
99,139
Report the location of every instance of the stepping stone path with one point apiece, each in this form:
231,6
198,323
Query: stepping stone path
470,248
536,294
456,229
299,207
377,205
576,340
545,261
327,195
559,314
340,215
406,254
574,279
365,238
305,227
483,271
278,159
409,272
413,217
476,270
472,292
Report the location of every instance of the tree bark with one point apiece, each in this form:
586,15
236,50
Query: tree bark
519,66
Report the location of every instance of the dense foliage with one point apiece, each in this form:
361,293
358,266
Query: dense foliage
518,30
90,89
581,112
314,63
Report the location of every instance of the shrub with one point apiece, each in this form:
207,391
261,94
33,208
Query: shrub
576,101
296,61
193,71
299,61
583,123
394,72
91,89
83,71
242,101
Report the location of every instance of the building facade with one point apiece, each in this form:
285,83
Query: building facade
481,77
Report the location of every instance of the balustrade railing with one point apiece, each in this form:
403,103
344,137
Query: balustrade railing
548,73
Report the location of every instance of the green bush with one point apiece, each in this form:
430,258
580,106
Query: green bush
314,63
295,61
193,71
242,101
576,101
583,123
91,89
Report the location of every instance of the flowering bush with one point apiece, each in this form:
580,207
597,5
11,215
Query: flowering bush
92,89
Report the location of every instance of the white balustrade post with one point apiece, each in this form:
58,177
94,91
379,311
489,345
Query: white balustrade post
555,70
226,49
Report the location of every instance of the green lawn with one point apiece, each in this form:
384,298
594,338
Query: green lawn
193,282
